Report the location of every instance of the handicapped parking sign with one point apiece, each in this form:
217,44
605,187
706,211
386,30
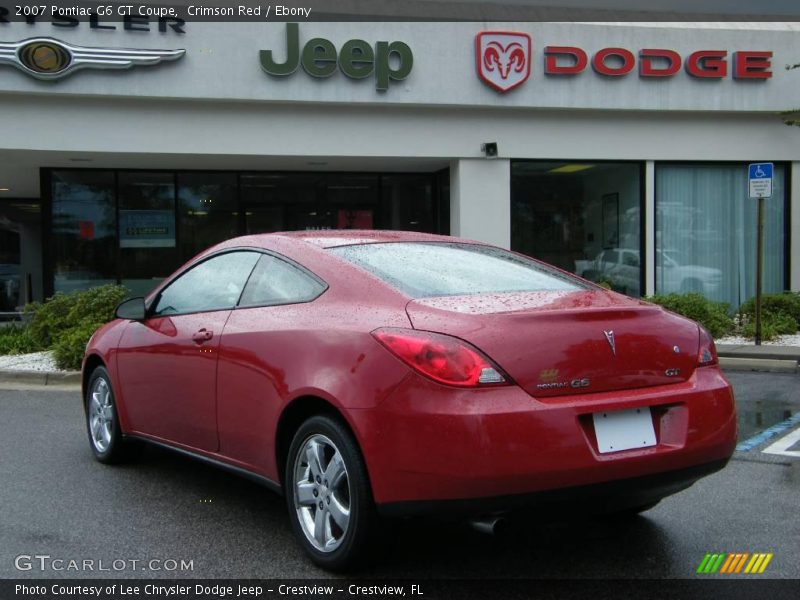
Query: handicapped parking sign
760,178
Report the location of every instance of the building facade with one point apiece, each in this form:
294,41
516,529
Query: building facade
616,151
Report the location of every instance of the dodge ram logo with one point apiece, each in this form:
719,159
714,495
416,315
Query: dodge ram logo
503,58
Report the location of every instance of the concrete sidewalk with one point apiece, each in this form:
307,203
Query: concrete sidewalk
749,357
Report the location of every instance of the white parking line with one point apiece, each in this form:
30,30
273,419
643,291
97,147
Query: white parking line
783,444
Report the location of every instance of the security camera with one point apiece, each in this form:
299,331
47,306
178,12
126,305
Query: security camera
489,149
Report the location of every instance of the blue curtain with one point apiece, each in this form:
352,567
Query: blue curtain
706,232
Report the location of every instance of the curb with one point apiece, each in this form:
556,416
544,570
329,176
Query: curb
41,377
767,365
759,352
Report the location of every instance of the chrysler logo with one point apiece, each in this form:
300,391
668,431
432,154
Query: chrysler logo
503,58
610,339
44,57
50,59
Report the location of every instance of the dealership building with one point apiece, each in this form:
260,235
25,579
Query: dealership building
619,151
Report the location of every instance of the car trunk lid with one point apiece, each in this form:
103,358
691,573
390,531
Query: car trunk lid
559,343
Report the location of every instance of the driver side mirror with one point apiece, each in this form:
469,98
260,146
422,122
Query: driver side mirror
132,309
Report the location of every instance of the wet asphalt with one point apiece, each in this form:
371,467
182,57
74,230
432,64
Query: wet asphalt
56,500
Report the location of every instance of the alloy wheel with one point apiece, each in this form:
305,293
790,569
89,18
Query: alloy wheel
101,415
322,493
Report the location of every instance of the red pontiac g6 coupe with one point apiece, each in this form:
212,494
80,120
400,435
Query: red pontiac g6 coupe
368,375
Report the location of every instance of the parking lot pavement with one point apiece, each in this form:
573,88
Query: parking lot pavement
56,500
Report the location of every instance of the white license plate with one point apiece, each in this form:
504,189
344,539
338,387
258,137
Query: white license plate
624,429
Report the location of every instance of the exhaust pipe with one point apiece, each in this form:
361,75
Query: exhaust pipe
491,525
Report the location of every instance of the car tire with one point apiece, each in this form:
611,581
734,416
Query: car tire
102,422
328,496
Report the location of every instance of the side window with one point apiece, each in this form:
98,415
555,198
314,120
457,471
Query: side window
275,281
214,284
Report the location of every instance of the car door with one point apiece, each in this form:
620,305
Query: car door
167,364
263,338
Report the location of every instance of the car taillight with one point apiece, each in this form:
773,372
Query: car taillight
441,357
707,354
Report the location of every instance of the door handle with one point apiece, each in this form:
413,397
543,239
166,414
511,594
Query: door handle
202,336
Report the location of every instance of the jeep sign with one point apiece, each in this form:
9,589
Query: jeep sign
387,61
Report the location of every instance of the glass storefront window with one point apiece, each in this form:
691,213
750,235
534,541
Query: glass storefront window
706,232
147,233
10,270
84,229
274,201
207,210
583,217
297,201
350,203
408,202
137,227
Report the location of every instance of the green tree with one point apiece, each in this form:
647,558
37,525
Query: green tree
792,117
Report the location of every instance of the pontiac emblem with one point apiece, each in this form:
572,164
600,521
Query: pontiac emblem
610,339
50,59
503,58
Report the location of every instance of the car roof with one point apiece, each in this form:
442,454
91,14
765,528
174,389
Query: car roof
330,238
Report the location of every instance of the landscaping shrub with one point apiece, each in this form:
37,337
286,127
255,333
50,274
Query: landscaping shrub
786,303
46,320
64,323
772,325
68,350
711,315
62,312
97,304
16,339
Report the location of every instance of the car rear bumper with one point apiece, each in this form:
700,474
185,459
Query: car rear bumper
427,443
609,496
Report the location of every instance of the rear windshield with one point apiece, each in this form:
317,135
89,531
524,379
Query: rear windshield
423,270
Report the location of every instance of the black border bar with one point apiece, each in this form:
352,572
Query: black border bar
729,588
65,11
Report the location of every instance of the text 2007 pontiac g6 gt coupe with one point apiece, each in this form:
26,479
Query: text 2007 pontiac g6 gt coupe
379,374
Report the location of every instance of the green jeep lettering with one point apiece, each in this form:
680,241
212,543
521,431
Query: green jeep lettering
292,54
319,58
384,71
389,61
